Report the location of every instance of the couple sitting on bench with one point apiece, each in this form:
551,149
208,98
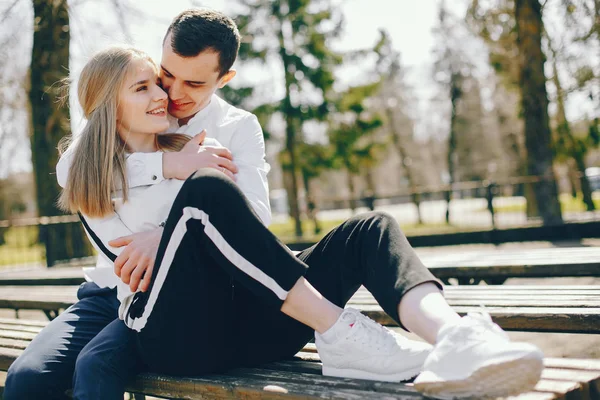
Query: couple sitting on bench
190,280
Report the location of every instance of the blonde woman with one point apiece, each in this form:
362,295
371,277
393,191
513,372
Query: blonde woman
224,292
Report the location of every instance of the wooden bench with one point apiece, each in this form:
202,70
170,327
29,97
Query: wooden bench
466,267
567,309
301,377
495,266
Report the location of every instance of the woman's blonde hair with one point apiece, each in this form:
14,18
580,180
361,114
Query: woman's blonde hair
98,152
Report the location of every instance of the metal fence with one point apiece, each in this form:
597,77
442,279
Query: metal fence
476,205
42,241
464,206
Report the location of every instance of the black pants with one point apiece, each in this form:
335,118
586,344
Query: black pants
221,277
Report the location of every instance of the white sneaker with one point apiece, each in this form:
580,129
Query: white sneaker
363,349
474,358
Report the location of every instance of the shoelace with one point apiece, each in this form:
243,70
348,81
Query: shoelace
484,324
373,335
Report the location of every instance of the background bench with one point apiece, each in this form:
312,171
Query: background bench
567,309
466,267
301,378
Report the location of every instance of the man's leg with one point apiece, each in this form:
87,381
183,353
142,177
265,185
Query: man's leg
106,364
45,369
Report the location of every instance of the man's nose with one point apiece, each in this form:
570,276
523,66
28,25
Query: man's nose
175,92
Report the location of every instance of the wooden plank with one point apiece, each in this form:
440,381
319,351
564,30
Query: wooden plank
562,378
510,307
565,320
499,264
494,302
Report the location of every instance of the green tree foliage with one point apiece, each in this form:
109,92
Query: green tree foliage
566,144
296,34
315,158
351,134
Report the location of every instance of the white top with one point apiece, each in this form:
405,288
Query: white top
151,195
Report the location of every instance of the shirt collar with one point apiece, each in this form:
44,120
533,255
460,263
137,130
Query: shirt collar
200,115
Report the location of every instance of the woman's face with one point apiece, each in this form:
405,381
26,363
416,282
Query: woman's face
142,110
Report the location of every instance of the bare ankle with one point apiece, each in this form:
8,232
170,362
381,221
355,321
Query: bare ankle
305,304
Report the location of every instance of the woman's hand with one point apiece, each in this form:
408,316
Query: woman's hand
195,155
135,263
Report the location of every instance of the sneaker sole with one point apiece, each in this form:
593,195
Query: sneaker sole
489,382
359,374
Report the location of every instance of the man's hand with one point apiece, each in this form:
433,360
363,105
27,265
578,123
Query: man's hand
135,263
194,155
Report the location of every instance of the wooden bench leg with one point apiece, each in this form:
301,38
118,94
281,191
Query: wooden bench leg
51,314
137,396
468,281
495,281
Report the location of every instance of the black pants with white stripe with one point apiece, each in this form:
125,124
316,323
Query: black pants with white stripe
221,277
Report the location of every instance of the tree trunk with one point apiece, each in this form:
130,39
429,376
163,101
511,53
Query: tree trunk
311,203
573,176
455,94
535,108
290,132
397,139
351,199
50,122
576,151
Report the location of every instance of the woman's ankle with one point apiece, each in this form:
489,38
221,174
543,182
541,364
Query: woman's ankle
305,304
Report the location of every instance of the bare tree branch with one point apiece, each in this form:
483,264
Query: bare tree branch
120,11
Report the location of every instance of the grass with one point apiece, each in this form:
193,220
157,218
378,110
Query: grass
285,230
567,204
20,246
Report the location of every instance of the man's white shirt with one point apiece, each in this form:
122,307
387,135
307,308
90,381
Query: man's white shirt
151,196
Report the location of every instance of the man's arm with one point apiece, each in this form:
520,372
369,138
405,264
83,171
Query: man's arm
248,148
131,254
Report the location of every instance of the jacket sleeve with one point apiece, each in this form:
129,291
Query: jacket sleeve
102,230
142,168
248,148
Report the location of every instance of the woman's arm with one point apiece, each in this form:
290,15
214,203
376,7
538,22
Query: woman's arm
142,168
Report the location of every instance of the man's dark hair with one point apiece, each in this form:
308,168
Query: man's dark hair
200,29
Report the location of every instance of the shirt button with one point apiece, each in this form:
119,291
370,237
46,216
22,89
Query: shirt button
154,177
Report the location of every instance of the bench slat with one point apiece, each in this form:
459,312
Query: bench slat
562,379
496,264
548,310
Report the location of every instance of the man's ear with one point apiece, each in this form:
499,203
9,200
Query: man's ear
227,77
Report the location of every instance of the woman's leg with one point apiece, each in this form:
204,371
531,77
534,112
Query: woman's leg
370,249
212,237
423,310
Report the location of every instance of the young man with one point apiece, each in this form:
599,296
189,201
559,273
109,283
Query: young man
469,354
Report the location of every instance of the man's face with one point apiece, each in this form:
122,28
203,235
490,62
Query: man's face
190,81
